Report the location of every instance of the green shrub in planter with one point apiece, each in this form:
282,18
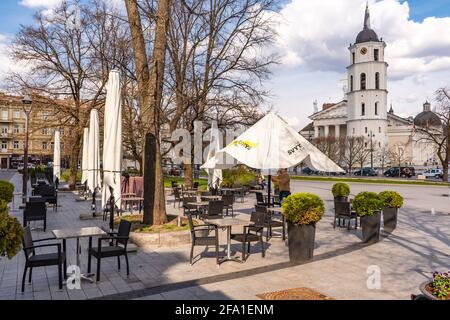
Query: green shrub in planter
391,199
6,191
302,211
11,233
340,189
303,208
368,206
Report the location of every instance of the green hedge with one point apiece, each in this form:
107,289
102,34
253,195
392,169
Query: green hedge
340,189
391,199
6,191
303,208
238,177
11,233
367,204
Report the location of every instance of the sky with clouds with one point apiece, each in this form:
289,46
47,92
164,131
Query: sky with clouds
313,37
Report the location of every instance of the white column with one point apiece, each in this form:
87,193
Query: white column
316,131
327,131
336,131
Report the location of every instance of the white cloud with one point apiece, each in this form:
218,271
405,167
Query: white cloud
40,3
313,40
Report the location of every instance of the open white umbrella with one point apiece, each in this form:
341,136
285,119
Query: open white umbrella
112,142
84,157
57,156
271,144
214,175
93,174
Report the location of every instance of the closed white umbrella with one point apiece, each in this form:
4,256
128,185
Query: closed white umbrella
84,158
57,156
112,142
93,174
214,175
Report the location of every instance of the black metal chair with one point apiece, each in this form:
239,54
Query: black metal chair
342,210
253,233
117,247
189,210
49,193
35,211
214,211
177,197
260,199
195,185
228,201
240,193
270,223
33,260
200,236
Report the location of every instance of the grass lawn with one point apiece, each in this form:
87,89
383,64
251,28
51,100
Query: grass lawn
168,181
375,181
138,226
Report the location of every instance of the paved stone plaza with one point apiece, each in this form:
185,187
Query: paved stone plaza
406,258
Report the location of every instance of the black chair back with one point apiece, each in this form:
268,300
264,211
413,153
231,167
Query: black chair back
176,193
124,231
215,208
258,218
35,209
189,199
228,199
342,208
36,199
214,191
261,209
259,198
27,242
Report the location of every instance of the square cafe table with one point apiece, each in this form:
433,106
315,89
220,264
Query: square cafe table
78,233
228,223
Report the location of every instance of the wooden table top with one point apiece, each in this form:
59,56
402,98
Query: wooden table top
78,233
133,199
198,204
228,222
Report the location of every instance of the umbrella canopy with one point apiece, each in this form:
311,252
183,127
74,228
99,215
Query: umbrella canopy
214,175
93,161
84,162
112,142
57,156
271,144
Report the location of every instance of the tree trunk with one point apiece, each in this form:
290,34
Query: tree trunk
74,155
188,170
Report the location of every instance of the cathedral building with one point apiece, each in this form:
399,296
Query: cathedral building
364,111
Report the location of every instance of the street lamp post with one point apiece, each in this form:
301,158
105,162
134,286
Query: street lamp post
371,136
27,103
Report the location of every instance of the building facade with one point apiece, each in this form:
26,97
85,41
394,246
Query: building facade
42,125
364,110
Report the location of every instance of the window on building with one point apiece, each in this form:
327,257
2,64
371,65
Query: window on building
45,131
365,130
363,109
351,83
16,145
353,58
16,114
376,54
16,129
44,145
376,108
4,114
4,130
4,144
363,81
377,80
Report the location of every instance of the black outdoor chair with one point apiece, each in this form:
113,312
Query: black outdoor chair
33,260
177,197
195,185
253,233
260,199
188,210
174,184
200,236
117,247
240,193
35,211
228,201
49,193
270,223
342,210
214,191
215,210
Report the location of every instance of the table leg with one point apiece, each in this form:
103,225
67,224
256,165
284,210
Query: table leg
87,277
229,242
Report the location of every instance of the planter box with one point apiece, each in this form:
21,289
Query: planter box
301,242
340,199
425,292
162,239
371,228
390,218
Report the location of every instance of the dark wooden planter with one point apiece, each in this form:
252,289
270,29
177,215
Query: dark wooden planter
340,199
301,242
371,228
390,218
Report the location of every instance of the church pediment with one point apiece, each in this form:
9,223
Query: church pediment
339,110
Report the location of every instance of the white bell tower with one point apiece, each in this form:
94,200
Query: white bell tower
367,87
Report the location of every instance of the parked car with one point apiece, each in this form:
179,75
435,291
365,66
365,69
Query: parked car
308,171
434,173
366,172
404,172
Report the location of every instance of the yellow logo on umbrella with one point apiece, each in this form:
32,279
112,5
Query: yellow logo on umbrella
246,144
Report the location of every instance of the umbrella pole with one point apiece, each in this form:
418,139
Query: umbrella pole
269,187
94,209
111,209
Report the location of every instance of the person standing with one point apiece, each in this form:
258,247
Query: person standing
284,183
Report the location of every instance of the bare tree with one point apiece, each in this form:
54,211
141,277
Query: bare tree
439,134
332,147
354,152
397,155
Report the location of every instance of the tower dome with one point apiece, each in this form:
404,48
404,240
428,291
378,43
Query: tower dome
367,34
427,118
